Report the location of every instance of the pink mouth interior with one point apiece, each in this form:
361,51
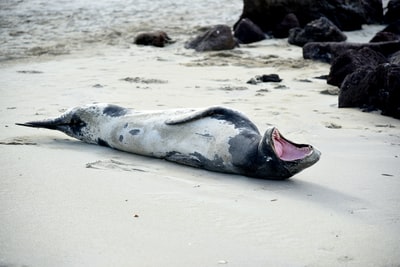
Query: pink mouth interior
286,150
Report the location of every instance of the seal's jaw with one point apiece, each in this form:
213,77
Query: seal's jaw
286,150
284,158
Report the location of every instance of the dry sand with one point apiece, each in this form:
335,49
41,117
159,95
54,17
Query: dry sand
66,203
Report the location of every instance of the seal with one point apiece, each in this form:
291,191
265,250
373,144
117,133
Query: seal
214,138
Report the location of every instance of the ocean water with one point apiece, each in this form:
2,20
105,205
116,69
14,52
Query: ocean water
37,27
41,27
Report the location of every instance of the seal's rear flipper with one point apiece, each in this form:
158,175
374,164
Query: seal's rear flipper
47,124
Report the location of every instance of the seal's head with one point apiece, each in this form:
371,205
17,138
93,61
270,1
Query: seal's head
81,122
282,158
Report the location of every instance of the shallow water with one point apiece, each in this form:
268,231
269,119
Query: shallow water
37,27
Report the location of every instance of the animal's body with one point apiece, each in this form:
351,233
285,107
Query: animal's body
214,138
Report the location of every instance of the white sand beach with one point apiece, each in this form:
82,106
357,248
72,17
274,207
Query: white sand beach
67,203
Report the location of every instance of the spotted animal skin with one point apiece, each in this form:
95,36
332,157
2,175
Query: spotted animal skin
213,138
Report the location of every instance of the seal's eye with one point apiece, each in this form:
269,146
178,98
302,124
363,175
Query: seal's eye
76,124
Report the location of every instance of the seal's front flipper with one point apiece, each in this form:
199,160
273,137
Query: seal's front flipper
216,111
195,114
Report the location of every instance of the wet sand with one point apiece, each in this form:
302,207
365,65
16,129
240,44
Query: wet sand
67,203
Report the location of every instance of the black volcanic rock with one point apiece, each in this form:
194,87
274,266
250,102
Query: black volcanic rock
248,32
320,30
389,33
347,15
393,11
219,37
377,88
327,51
290,21
157,38
350,61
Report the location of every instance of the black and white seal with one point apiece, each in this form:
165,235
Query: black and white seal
214,138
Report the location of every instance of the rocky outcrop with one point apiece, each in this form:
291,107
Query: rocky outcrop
377,88
320,30
288,22
219,37
350,61
326,52
395,58
368,75
272,15
390,33
393,11
157,38
247,32
265,78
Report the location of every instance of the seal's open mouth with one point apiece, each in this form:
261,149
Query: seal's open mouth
287,150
